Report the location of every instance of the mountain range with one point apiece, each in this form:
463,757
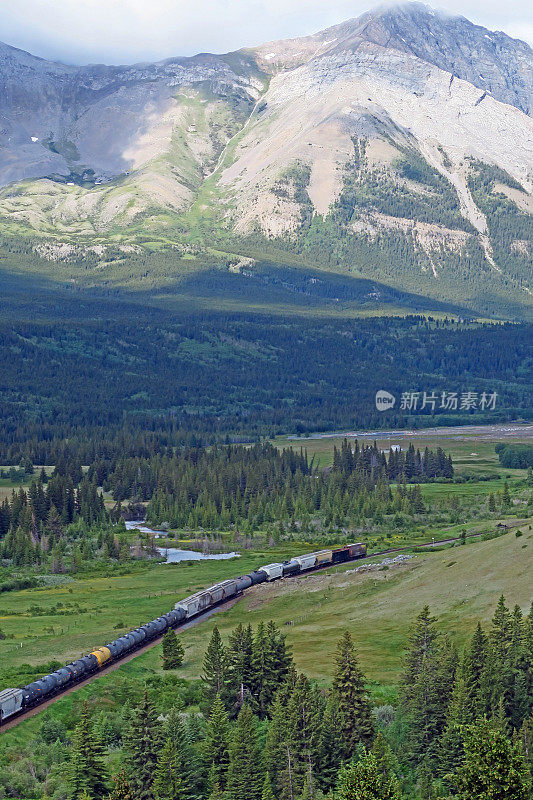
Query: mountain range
395,147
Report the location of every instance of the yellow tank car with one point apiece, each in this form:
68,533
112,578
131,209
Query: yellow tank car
102,655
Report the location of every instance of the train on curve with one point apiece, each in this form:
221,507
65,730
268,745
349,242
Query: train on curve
17,701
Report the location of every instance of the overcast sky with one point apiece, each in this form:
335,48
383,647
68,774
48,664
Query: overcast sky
125,31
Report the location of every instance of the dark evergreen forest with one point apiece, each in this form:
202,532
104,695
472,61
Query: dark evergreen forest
113,376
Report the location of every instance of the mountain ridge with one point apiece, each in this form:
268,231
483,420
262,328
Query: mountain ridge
402,131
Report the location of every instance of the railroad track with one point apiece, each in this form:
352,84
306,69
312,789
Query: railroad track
222,606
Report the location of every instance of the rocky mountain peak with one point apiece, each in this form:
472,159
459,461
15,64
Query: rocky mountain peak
490,60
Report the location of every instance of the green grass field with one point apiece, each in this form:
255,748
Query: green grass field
460,584
472,450
62,622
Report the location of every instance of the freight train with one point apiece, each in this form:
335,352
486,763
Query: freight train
16,701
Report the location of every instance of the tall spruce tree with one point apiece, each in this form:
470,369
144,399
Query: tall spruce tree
240,648
331,750
452,740
143,743
288,754
494,767
167,780
270,665
276,747
217,745
426,686
353,709
173,652
188,762
422,642
472,670
305,711
87,767
490,683
520,662
500,637
216,673
388,765
245,772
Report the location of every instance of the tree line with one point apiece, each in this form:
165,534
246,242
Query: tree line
233,485
515,456
34,522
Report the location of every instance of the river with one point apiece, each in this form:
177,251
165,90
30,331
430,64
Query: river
174,555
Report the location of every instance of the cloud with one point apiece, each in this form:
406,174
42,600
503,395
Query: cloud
122,31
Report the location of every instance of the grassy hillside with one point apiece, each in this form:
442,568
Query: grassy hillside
461,585
64,620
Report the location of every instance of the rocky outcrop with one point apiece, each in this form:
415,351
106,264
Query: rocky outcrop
93,123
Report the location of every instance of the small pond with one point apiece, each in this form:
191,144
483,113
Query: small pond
173,554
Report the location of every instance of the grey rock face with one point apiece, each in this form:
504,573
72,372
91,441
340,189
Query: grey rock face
59,120
492,61
83,123
489,60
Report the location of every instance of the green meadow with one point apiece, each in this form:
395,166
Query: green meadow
461,585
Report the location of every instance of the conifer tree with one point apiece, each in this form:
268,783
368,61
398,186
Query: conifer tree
265,681
87,767
353,709
304,710
506,497
187,759
452,740
363,780
215,675
519,656
281,655
143,742
245,772
331,751
426,686
217,745
239,653
494,767
173,652
387,762
422,642
167,780
276,746
472,669
267,793
500,637
490,684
